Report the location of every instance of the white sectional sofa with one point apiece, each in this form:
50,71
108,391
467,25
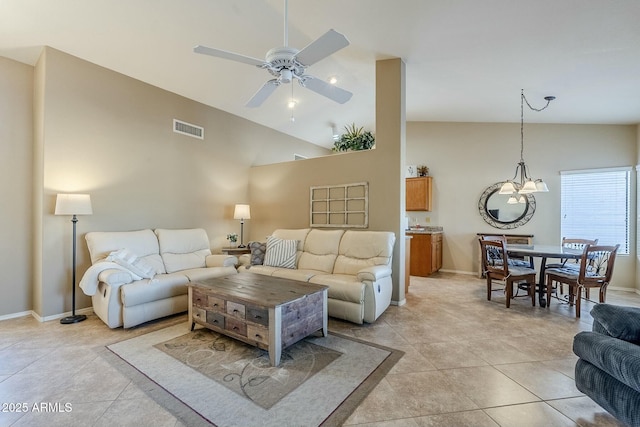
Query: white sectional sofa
138,276
355,265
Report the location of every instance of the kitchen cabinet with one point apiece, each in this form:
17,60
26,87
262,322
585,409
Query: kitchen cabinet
418,194
426,253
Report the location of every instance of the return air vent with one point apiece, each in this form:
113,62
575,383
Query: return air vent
188,129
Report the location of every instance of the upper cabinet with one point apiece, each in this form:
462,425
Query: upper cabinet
418,196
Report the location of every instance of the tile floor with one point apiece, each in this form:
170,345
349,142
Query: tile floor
468,362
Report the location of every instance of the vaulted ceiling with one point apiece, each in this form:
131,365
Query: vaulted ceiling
466,60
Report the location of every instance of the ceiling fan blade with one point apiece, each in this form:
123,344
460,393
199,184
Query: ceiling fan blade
228,55
263,93
325,89
328,43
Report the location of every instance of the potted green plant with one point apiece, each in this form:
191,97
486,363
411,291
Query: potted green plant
354,139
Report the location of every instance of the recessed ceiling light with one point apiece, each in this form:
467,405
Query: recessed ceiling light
292,104
333,80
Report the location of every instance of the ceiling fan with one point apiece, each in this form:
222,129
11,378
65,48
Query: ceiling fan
287,64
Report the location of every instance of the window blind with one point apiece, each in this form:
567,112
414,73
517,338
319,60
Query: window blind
595,205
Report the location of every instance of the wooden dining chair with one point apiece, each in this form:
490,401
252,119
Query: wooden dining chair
596,269
515,261
573,244
495,266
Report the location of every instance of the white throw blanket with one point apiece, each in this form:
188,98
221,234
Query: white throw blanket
89,282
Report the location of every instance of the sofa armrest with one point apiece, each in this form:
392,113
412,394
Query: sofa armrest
374,273
244,259
114,277
217,260
617,322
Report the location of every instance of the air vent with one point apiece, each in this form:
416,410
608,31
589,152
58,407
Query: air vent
188,129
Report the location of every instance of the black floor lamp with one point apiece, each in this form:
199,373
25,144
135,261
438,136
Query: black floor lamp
73,204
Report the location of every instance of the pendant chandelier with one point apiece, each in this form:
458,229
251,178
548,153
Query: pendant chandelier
522,183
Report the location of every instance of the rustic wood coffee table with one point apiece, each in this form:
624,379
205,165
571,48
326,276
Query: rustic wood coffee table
267,312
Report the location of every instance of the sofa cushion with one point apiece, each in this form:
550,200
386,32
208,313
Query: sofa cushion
342,287
295,274
617,321
196,274
143,243
261,269
618,358
147,290
280,253
320,250
183,249
361,249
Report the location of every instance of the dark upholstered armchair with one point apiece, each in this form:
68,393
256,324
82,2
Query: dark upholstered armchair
608,370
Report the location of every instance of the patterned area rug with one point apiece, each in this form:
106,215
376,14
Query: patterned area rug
246,369
320,381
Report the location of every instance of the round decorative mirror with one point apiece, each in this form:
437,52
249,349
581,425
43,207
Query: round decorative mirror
495,210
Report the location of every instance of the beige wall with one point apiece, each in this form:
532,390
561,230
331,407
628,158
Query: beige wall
103,133
16,153
465,158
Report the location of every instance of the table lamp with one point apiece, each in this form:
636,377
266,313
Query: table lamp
73,204
242,212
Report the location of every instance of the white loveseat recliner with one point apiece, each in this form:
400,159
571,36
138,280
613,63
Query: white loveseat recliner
170,259
355,265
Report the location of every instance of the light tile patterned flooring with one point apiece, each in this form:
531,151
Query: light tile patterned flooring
468,362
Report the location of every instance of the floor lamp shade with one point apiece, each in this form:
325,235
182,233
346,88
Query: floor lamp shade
73,204
242,212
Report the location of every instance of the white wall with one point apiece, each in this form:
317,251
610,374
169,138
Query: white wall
465,158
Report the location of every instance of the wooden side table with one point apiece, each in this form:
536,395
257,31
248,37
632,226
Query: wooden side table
236,251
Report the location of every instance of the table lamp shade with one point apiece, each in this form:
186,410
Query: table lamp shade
73,204
242,212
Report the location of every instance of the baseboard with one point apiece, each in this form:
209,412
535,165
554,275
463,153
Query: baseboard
88,310
41,319
618,288
14,315
399,303
471,273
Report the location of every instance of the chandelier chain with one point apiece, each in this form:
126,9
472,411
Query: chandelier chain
524,99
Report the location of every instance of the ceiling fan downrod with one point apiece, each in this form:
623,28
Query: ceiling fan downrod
286,18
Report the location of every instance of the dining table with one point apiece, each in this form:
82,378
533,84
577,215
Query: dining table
543,252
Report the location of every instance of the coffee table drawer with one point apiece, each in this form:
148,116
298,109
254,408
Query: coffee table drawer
215,319
199,298
258,334
236,326
200,314
215,304
236,310
258,315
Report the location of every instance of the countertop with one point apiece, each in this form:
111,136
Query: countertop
425,230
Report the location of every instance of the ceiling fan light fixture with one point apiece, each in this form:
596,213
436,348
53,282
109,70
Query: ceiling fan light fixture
285,75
